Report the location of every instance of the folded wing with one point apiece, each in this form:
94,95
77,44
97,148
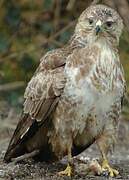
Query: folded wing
41,97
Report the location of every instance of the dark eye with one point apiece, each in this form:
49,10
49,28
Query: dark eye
109,23
90,21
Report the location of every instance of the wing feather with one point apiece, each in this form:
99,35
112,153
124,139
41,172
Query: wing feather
41,97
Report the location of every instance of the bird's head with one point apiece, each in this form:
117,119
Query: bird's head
99,22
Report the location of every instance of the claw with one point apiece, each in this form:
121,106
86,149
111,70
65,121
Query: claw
113,172
105,164
67,171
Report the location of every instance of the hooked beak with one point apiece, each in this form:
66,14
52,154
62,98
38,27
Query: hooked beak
98,26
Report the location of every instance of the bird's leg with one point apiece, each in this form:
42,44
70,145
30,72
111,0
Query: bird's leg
105,165
67,171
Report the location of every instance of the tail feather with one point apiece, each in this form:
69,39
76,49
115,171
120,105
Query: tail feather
19,150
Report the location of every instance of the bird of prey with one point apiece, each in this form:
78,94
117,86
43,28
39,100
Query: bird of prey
74,98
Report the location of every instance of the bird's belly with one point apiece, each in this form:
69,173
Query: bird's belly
92,117
92,105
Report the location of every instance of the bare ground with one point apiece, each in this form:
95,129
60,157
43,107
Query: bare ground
30,169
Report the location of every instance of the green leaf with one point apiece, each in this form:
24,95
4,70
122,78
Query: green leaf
3,44
51,47
46,27
64,37
27,63
124,45
11,97
12,17
47,4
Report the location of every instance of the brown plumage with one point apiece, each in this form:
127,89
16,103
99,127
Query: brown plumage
74,97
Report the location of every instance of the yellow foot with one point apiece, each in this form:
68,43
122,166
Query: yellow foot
113,172
67,171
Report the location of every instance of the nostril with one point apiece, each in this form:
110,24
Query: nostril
97,29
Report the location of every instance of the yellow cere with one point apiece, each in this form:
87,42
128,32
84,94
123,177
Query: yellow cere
99,23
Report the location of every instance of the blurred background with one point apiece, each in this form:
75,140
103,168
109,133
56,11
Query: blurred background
28,29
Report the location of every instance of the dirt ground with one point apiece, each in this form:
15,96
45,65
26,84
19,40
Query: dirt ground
30,169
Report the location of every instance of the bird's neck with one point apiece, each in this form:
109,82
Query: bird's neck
84,39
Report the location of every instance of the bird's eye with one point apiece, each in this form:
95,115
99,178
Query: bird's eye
90,21
109,23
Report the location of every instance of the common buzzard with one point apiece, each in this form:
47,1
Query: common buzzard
74,98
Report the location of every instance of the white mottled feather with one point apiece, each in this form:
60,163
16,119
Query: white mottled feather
95,101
